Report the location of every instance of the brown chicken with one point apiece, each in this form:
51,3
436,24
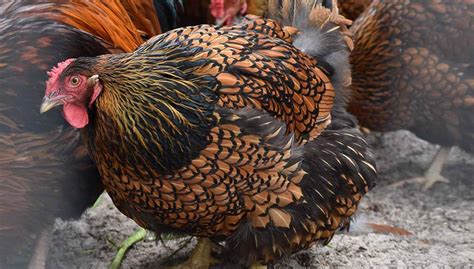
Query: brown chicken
44,170
226,133
413,69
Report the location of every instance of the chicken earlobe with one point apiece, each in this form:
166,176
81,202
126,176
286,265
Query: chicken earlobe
97,88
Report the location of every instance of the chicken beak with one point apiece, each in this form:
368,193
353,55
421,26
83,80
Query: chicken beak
49,103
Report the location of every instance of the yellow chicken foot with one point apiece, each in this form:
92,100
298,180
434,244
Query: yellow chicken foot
125,246
433,173
200,257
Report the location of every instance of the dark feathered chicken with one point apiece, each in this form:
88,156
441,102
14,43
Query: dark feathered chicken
44,171
413,69
222,132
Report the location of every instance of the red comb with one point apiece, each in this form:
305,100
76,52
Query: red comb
54,75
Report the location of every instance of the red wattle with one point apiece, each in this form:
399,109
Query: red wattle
76,115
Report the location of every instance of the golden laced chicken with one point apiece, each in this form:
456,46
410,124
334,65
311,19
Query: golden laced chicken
413,69
232,134
45,171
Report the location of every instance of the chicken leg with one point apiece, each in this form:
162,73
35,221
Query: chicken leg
433,173
125,246
40,253
200,257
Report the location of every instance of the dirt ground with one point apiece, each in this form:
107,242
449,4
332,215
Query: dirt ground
441,221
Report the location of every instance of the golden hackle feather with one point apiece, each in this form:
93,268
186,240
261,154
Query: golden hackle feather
119,23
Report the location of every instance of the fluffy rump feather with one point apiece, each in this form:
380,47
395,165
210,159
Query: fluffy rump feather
321,35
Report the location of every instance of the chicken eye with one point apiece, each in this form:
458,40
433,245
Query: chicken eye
75,81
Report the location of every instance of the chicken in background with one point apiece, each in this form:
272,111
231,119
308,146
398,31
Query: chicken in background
412,68
45,171
226,133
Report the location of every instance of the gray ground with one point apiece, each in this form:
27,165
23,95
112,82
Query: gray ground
440,219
